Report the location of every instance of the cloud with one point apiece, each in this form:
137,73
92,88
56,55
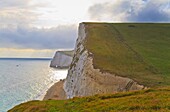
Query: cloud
14,3
61,37
132,10
22,22
18,12
19,19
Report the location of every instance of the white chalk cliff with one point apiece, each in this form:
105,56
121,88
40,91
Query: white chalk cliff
62,59
84,80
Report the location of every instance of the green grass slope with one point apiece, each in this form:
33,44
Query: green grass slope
150,100
138,51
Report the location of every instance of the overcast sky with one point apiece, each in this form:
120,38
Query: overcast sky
49,25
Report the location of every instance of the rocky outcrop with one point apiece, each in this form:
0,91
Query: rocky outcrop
62,59
84,80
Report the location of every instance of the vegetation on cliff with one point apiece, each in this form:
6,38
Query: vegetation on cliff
133,50
150,100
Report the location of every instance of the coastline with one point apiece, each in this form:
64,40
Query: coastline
56,92
43,93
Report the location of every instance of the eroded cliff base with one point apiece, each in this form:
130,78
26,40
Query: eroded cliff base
56,92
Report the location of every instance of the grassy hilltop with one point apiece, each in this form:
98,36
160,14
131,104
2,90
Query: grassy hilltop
138,51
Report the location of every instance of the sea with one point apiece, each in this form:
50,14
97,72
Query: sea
25,79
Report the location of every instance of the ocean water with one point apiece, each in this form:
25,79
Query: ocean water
23,80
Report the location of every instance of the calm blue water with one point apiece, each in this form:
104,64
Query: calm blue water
22,80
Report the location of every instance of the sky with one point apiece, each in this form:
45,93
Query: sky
37,28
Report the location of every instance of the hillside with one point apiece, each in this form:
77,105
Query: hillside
150,100
138,51
116,57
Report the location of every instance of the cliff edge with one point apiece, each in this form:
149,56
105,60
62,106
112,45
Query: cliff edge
84,80
62,59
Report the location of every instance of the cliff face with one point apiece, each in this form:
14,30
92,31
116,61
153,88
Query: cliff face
62,59
84,80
